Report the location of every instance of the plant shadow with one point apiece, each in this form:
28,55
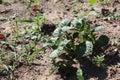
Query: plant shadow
47,29
0,1
90,70
66,70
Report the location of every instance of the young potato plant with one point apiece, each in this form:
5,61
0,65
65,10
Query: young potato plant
74,37
99,59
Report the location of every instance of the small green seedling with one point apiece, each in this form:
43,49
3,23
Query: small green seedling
99,59
80,74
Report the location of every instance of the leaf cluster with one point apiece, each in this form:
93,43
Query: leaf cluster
73,37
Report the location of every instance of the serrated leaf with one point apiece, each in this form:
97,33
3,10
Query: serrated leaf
89,48
99,28
85,48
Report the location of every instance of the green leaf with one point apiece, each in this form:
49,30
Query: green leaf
50,42
37,52
6,67
56,53
27,36
36,2
65,22
76,22
89,48
52,71
34,37
46,44
64,43
92,2
85,48
25,20
56,32
99,28
54,39
102,41
66,28
79,74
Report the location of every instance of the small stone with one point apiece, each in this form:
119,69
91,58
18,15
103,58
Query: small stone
118,27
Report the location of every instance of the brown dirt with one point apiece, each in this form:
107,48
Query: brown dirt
54,12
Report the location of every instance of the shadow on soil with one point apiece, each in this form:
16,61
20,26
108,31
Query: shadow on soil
90,70
47,29
0,1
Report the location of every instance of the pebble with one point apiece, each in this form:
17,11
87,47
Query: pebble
118,27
